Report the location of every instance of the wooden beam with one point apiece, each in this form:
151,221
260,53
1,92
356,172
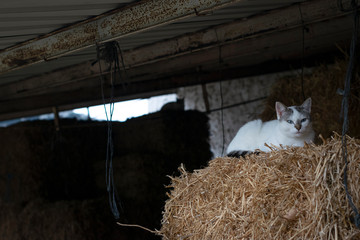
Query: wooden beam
274,21
92,96
287,18
119,23
271,53
260,48
241,56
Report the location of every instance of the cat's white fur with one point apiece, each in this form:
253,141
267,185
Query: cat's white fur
291,128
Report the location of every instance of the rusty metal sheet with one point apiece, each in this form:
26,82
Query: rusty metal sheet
121,22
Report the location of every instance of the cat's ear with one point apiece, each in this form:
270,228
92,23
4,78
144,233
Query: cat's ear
280,109
307,105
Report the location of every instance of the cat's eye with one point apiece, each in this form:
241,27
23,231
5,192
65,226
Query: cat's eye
303,120
290,122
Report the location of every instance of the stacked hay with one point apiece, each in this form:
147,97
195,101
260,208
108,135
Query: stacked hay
147,149
294,193
322,86
39,219
52,184
36,162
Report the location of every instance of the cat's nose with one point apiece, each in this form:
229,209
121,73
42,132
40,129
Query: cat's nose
298,127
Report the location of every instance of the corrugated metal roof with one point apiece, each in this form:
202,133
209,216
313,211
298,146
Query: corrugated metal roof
21,20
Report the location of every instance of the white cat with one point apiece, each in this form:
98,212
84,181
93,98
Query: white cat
292,128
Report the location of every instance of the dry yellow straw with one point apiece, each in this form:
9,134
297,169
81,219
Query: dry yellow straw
294,193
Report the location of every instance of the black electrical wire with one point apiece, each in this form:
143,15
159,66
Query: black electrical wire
109,52
302,54
235,104
345,103
221,98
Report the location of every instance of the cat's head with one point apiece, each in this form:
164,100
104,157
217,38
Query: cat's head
294,121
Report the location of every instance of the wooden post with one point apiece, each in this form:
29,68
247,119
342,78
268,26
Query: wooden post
206,97
56,118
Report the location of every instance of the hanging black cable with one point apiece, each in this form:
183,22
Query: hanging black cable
345,103
302,53
221,98
109,52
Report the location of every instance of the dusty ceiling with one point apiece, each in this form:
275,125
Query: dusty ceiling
48,52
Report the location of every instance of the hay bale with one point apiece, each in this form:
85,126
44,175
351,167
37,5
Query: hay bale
294,193
176,135
322,86
139,181
36,162
40,219
47,178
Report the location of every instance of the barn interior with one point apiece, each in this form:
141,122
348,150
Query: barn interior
227,61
